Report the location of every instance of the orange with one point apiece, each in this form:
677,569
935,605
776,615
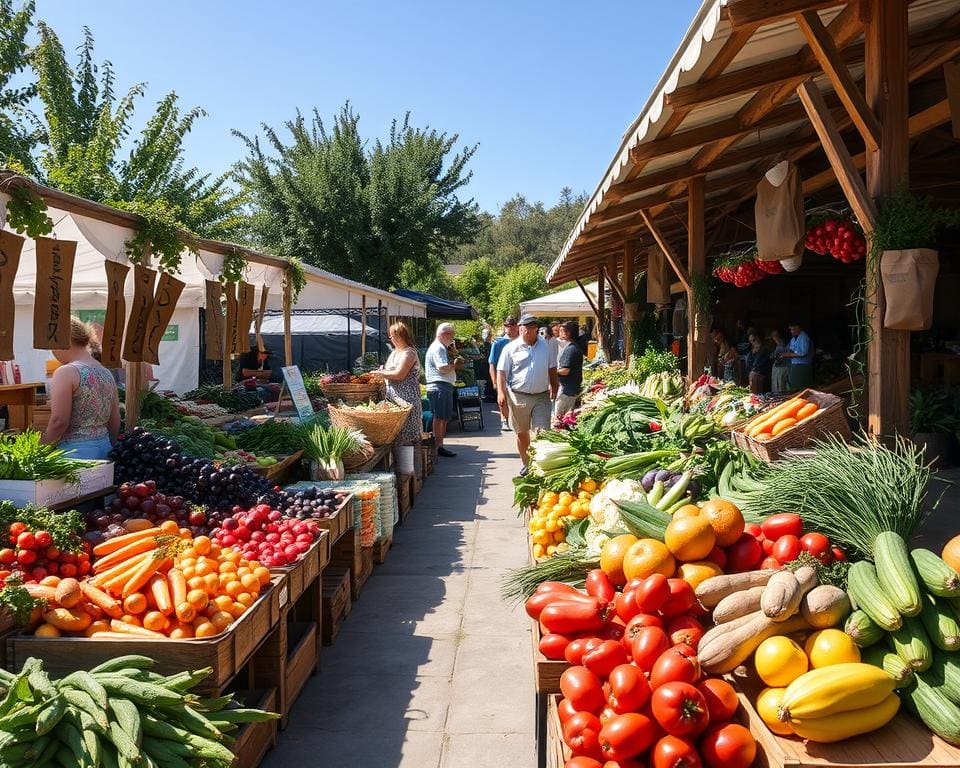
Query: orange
186,612
689,538
222,602
196,582
97,626
47,630
647,557
133,621
246,599
228,567
698,571
950,553
205,629
725,519
155,621
181,631
198,598
212,583
250,582
237,610
688,510
187,554
189,572
263,574
611,557
202,545
221,619
234,588
135,603
170,527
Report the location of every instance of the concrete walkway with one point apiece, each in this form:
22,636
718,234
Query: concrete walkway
431,669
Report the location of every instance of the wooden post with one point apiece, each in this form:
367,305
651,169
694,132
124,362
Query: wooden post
227,369
134,383
886,59
601,301
363,326
630,307
696,265
287,336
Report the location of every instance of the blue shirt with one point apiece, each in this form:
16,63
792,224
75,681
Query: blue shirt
496,348
802,347
435,358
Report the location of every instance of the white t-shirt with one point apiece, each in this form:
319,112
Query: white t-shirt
527,368
437,356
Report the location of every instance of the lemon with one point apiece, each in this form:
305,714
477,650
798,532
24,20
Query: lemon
779,661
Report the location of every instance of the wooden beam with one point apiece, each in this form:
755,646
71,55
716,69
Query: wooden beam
625,209
668,251
589,298
612,278
287,330
838,155
696,264
630,248
601,311
743,12
951,75
820,42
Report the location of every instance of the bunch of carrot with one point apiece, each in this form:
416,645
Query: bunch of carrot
778,420
159,582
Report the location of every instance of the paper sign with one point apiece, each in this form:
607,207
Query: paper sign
51,308
213,325
111,344
164,303
230,290
298,392
143,280
10,246
245,297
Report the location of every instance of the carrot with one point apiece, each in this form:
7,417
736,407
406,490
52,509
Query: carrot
119,542
114,558
161,593
129,629
101,599
142,576
95,611
110,635
807,411
766,421
117,578
782,426
178,586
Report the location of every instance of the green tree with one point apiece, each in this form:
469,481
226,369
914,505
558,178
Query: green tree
428,275
16,138
520,282
477,284
363,214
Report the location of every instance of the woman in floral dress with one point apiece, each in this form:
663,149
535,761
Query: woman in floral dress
402,372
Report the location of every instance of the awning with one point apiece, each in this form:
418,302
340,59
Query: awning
569,302
442,309
305,323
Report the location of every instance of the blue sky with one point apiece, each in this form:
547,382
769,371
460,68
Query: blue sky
546,88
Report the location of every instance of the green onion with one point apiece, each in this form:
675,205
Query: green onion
24,457
570,566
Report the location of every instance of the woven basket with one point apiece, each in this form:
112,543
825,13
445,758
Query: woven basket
354,460
353,394
831,418
380,427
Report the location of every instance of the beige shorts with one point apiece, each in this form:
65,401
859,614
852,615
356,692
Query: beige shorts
528,412
564,404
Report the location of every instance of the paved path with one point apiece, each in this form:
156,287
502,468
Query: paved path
431,669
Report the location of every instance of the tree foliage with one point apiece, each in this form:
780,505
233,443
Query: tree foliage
359,213
428,275
17,135
520,282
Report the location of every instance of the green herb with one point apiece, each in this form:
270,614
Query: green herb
27,212
331,444
160,233
835,573
232,269
24,457
570,566
295,277
277,436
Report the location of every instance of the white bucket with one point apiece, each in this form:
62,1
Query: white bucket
404,456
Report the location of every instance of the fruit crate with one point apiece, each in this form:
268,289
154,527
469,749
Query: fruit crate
380,549
405,493
254,740
557,753
336,603
301,574
546,672
302,663
225,653
278,472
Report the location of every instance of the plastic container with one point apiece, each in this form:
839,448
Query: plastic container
404,455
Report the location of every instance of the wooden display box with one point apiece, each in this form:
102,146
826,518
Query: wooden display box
557,752
339,522
254,740
225,653
336,602
302,573
380,549
546,672
302,662
278,473
405,493
359,560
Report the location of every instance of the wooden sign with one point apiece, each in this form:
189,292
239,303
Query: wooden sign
51,308
111,345
230,290
213,332
164,303
10,247
264,292
245,299
143,280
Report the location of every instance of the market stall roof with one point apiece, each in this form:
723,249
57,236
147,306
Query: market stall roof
325,290
569,302
306,323
726,110
442,309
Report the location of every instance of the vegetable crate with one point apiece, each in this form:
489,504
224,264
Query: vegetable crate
279,472
254,740
405,485
339,522
336,602
356,559
557,753
46,492
830,418
290,657
302,573
380,549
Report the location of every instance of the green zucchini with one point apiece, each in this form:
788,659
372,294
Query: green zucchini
938,577
895,573
936,711
891,663
945,675
864,630
941,624
867,595
123,662
911,643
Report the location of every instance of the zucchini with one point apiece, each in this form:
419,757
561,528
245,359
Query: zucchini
141,692
944,674
895,573
941,624
938,577
890,663
864,630
936,711
867,595
123,662
911,643
84,681
128,718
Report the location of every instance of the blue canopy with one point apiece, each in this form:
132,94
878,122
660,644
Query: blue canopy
442,309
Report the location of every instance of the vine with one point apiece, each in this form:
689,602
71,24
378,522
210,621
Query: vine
702,289
296,276
27,213
159,234
233,267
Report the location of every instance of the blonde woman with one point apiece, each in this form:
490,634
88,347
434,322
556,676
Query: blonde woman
402,373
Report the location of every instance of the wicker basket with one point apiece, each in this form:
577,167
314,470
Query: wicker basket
380,427
353,394
831,418
353,460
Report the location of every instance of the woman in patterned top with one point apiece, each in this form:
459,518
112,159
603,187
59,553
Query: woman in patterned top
84,406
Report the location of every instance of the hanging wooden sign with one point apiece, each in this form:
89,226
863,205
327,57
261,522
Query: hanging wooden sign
264,292
51,308
213,332
245,299
10,247
230,291
143,280
111,345
164,303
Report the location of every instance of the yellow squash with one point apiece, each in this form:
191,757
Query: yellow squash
845,725
835,689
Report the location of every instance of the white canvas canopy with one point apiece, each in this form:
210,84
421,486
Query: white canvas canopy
569,302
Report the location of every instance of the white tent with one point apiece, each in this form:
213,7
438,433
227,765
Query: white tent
569,302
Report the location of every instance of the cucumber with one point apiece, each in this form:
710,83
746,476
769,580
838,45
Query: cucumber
864,630
123,662
941,624
938,577
911,643
867,595
896,574
944,674
890,663
936,711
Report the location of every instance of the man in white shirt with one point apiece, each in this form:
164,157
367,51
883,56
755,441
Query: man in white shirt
527,383
441,375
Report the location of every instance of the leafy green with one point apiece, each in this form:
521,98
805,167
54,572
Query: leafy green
24,457
17,601
64,527
277,436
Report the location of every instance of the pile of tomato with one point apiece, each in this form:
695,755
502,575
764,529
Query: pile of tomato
782,540
33,556
634,694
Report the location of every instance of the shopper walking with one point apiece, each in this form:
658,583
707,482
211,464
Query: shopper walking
441,375
510,331
569,371
527,383
800,355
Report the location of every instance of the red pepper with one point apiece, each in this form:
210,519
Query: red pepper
540,600
568,617
655,427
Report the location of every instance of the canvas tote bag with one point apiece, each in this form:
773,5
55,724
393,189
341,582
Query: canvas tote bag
658,277
780,219
909,279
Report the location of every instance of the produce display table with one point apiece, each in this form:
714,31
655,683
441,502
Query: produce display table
279,471
254,740
85,502
20,400
546,679
302,573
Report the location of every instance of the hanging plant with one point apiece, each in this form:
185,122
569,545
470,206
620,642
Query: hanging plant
742,267
702,289
27,212
233,267
160,234
905,221
296,276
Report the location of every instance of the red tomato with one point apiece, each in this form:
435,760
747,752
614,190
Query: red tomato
743,554
554,646
674,752
583,688
625,604
838,554
787,548
582,761
7,556
680,708
728,745
672,667
558,586
598,585
647,646
576,648
16,529
637,623
652,593
606,714
624,764
681,599
718,556
626,736
629,689
684,650
785,523
767,546
770,564
816,544
602,659
612,631
540,600
565,710
582,734
26,540
753,529
685,629
568,617
721,699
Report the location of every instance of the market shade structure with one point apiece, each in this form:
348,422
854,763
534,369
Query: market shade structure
834,87
441,309
321,341
569,302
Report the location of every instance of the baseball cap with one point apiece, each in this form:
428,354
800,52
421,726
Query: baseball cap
528,320
511,320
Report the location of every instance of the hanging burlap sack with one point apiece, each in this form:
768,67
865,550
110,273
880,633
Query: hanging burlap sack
658,277
780,220
111,345
51,308
10,247
230,291
143,281
164,303
213,335
245,298
264,292
909,279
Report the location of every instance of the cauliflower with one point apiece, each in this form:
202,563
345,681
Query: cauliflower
602,509
595,537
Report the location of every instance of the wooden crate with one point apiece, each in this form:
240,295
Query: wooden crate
279,472
405,493
225,653
546,672
302,573
380,549
359,560
339,522
302,662
336,602
254,740
557,752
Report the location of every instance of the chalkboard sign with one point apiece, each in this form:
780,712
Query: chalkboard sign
298,392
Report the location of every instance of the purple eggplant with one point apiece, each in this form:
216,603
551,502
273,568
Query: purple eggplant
662,476
648,480
693,489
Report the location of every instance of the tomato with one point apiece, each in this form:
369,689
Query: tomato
7,556
783,524
568,617
816,544
16,529
576,648
625,604
637,623
681,598
767,546
674,752
612,631
624,764
606,714
26,540
673,666
602,659
554,646
652,593
581,761
582,734
647,645
583,688
629,689
685,629
787,548
540,600
565,710
838,554
743,554
680,708
728,745
770,564
558,586
718,556
753,529
721,699
598,585
626,736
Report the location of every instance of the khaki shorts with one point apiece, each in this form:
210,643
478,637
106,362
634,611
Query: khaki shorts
528,412
564,404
